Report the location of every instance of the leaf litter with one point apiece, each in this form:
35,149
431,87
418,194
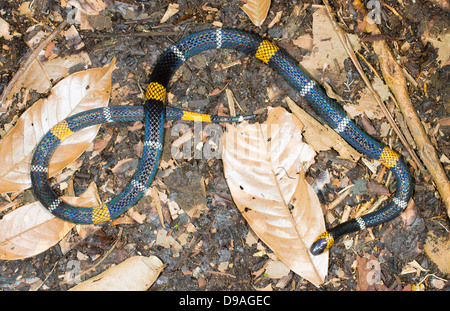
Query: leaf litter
197,243
280,207
76,93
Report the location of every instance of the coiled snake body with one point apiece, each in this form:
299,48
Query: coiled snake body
154,113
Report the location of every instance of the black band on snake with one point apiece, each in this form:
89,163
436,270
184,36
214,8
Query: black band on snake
154,113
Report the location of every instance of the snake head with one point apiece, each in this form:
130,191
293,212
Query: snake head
322,243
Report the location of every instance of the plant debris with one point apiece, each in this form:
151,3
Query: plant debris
188,219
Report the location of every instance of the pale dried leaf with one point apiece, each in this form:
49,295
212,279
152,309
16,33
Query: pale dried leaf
31,229
441,42
276,19
78,92
304,41
256,10
90,7
366,105
438,249
263,164
172,9
5,31
41,74
327,51
322,137
276,269
137,273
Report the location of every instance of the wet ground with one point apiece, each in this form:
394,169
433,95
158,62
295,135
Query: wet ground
212,234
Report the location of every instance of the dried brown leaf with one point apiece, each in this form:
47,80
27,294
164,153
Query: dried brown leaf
327,49
438,249
172,9
78,92
137,273
31,229
42,73
322,137
442,43
90,7
256,10
263,165
304,41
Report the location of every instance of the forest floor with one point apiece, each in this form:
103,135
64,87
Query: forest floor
210,246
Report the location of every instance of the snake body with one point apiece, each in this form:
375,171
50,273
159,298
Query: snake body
154,113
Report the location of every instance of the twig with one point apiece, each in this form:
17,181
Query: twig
132,34
340,198
28,60
348,47
46,278
395,79
221,273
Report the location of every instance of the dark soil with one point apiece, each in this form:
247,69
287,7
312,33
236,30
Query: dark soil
220,230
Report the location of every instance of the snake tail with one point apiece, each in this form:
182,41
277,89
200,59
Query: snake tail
178,114
154,113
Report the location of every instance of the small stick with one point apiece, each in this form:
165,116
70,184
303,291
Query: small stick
132,34
221,273
350,52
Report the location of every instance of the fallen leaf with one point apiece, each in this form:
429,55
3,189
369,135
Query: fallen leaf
168,241
322,137
5,32
90,7
251,238
366,105
438,249
78,92
276,19
137,273
164,240
413,267
442,43
256,10
138,217
267,288
30,230
24,9
304,41
174,209
438,284
42,73
410,213
327,50
122,166
375,188
263,165
276,269
223,266
172,9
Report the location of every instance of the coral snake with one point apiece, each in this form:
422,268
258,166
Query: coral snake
154,113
